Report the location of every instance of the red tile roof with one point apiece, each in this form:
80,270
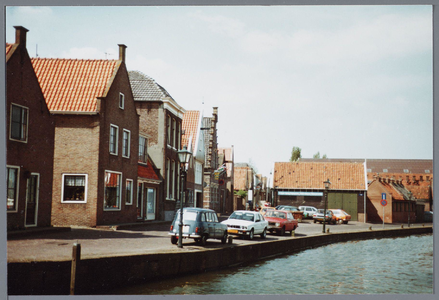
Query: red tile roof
190,125
73,85
311,175
242,178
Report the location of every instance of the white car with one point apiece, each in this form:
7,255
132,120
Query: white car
247,224
308,211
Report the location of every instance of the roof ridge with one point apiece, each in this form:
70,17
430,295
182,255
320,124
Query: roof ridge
75,59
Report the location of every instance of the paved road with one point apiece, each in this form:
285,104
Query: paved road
141,239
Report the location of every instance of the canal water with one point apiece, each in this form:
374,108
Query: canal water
382,266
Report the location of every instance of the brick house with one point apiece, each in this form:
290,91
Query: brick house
193,139
244,177
160,125
30,133
301,183
96,140
211,192
401,206
226,158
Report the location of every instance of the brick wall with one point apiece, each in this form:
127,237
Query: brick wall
35,155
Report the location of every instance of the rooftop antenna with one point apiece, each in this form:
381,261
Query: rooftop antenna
36,51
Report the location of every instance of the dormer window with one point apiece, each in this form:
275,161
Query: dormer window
121,101
385,170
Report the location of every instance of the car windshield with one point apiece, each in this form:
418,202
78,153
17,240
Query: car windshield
187,216
242,216
275,214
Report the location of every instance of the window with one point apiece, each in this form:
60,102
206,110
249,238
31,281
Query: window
112,190
121,101
178,137
143,147
126,143
129,192
12,188
168,124
172,179
19,121
74,188
114,132
174,136
168,171
427,171
385,170
406,171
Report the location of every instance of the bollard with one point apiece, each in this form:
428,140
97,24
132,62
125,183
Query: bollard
327,230
370,227
402,226
76,257
293,232
230,239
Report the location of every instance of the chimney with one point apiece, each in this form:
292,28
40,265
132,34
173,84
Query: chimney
215,114
122,51
20,35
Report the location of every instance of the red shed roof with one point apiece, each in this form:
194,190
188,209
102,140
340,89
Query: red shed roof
190,125
311,175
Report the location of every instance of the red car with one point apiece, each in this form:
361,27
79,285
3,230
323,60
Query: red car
281,221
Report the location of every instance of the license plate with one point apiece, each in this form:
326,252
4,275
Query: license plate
233,231
186,229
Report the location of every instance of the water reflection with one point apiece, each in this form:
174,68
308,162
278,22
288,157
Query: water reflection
384,266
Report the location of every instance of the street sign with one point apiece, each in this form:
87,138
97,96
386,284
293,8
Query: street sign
383,196
383,202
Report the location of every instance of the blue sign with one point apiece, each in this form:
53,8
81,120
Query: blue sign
383,196
383,202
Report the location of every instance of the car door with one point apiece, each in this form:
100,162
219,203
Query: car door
259,227
216,226
210,224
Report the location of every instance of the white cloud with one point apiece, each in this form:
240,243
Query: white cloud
222,25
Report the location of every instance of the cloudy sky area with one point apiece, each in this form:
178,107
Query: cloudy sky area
345,81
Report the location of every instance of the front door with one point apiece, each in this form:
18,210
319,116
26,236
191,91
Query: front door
151,202
32,191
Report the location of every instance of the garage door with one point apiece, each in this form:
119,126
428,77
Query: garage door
347,202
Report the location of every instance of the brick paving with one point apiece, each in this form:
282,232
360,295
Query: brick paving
57,244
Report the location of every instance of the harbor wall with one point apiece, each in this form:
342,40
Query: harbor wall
100,275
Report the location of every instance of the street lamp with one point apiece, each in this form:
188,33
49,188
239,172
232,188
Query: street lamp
327,185
183,156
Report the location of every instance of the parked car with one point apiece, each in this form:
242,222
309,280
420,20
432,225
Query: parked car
428,216
264,210
281,221
297,214
308,211
318,217
246,224
341,216
199,224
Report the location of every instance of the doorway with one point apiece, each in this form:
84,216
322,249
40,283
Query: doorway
32,191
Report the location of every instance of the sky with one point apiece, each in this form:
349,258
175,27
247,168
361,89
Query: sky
345,81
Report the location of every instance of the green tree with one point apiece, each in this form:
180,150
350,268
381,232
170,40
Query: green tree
296,154
241,193
317,155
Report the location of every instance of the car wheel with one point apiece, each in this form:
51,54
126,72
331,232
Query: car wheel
315,221
340,221
203,240
174,240
252,234
282,231
345,222
264,233
224,238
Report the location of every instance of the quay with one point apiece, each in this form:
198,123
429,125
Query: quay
39,263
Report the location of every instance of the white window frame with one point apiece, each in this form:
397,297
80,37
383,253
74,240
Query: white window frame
173,190
131,191
121,101
126,155
144,159
169,125
174,133
17,188
85,188
25,133
168,175
37,198
120,191
117,140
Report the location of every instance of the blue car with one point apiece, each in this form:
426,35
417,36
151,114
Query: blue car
199,224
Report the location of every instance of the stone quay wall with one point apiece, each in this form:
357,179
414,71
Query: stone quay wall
97,276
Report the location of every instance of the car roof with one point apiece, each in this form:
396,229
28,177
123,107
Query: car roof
197,209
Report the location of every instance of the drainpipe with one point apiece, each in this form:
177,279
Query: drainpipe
365,214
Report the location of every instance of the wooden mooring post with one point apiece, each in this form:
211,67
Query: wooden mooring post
76,257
